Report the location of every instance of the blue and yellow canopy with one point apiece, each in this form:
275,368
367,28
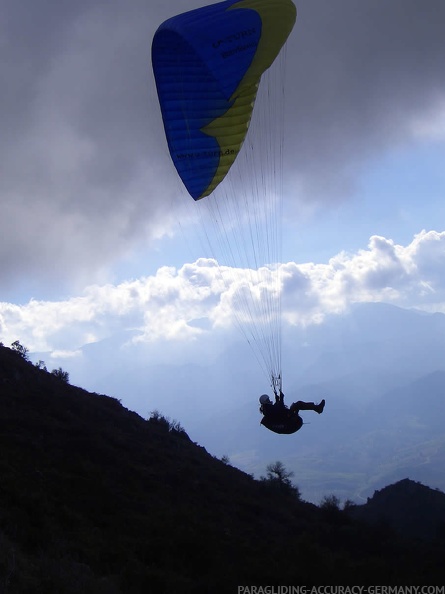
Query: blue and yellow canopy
207,64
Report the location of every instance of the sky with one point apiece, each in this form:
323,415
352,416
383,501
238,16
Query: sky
95,236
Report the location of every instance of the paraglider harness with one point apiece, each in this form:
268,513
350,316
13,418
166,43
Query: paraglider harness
278,417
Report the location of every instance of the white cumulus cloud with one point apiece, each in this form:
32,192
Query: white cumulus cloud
172,304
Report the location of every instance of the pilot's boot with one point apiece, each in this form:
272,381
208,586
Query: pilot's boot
320,407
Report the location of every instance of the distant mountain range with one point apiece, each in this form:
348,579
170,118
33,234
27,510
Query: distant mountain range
96,500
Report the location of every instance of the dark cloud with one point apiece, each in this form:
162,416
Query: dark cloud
84,169
362,72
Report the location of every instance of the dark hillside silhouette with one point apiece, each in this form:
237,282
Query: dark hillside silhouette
410,508
96,500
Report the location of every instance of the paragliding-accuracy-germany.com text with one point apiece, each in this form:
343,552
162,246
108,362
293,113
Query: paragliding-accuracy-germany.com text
341,589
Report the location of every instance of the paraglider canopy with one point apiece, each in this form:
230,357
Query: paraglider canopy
207,64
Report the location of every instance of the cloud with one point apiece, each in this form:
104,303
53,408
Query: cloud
366,79
79,163
86,177
430,125
171,305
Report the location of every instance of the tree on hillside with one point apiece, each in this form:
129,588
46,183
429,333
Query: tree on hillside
330,502
61,374
279,478
170,425
20,349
